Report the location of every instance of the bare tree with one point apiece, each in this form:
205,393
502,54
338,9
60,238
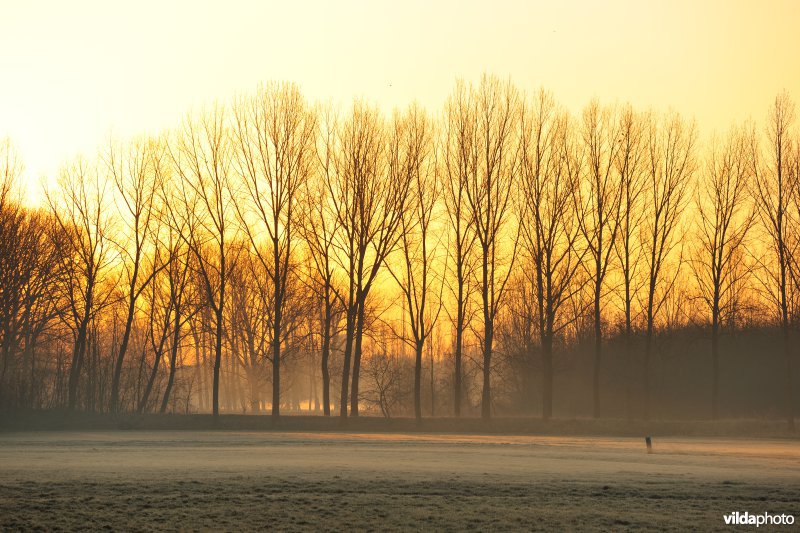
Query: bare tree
550,173
630,165
319,229
81,210
772,195
136,178
385,375
724,219
201,208
411,157
14,258
670,162
368,207
168,296
489,192
599,199
460,160
275,135
28,283
30,250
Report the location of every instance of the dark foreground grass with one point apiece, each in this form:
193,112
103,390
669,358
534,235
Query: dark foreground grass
71,421
382,504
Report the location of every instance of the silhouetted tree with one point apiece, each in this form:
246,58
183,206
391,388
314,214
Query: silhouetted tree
488,192
80,205
411,158
368,207
724,218
201,208
319,229
550,173
670,163
599,198
135,172
460,161
275,136
630,165
772,195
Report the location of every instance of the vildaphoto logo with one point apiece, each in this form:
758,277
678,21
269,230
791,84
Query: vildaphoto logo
763,519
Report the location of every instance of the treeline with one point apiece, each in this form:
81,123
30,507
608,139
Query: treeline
499,257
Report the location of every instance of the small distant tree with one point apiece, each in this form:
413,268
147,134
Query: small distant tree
385,372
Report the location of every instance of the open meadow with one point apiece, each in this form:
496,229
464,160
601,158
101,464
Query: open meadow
234,480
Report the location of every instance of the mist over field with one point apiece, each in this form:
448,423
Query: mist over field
342,481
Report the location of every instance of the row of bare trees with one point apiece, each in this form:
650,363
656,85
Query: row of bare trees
274,245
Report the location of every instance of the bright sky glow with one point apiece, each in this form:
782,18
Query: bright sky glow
71,73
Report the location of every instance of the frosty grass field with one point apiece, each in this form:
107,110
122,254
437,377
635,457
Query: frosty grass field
206,480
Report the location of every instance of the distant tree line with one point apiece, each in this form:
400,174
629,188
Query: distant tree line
500,257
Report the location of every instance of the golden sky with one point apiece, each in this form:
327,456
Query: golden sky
71,73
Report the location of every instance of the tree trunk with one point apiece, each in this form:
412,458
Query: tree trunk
348,351
628,376
433,384
486,400
648,347
117,376
173,359
326,351
357,359
150,381
598,347
123,347
77,363
459,347
486,396
418,381
547,378
628,320
276,364
787,352
714,369
217,362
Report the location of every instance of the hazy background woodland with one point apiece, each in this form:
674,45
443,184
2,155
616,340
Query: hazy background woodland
501,255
